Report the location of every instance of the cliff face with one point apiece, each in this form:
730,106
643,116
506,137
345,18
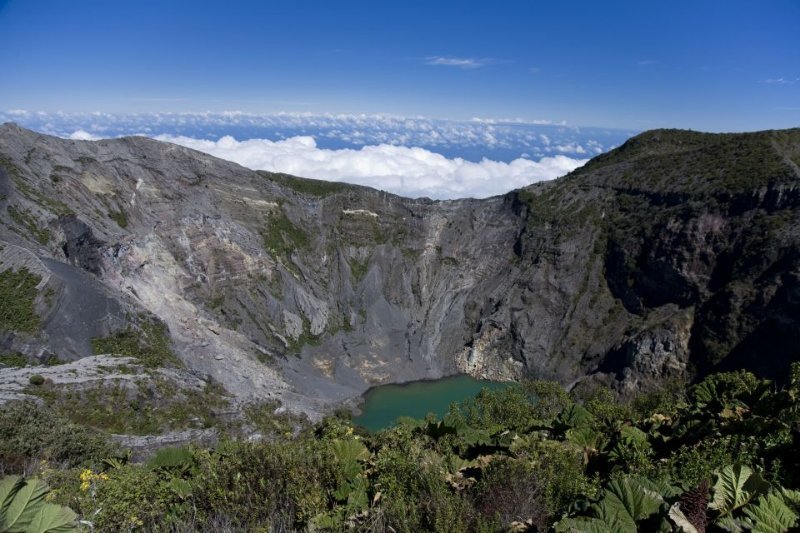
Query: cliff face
676,253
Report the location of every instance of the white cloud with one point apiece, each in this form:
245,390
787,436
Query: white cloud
495,138
81,135
401,170
571,148
459,62
780,81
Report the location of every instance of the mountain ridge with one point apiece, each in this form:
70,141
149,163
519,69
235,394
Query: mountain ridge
666,257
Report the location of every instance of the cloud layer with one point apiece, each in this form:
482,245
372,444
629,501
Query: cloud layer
499,139
413,172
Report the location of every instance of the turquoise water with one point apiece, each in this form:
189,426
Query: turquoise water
384,404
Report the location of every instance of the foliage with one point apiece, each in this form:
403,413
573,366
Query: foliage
145,407
18,293
36,379
358,268
149,343
264,418
31,432
24,219
529,457
14,360
23,508
120,217
310,187
282,237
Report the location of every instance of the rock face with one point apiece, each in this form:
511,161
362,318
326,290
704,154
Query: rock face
675,254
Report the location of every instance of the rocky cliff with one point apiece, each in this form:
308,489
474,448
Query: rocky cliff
675,254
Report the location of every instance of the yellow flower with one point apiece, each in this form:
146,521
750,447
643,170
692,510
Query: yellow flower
88,477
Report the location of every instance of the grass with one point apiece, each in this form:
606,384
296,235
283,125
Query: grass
275,285
149,343
24,219
120,217
151,406
55,206
359,269
31,432
310,187
9,167
697,163
282,237
13,360
265,420
18,294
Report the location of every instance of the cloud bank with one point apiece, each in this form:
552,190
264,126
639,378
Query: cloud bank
500,139
402,170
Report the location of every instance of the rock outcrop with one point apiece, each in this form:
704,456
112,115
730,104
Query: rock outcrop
675,254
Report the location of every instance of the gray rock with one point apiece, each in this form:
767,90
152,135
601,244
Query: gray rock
663,255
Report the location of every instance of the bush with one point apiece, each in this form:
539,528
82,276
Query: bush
13,360
36,379
150,343
133,497
508,408
18,293
533,462
253,484
31,432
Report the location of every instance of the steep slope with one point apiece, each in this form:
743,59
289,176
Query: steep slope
677,252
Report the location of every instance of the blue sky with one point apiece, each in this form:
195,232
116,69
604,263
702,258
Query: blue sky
707,65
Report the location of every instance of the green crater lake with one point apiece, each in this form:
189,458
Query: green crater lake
384,404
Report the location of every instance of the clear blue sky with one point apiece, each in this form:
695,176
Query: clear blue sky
708,65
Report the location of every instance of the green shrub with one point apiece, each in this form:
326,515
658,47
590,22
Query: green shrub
255,483
24,218
14,360
503,461
282,237
134,498
120,217
150,343
506,408
18,293
152,406
30,432
36,379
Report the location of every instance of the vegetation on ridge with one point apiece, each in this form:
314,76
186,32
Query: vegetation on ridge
718,456
18,293
149,342
310,187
